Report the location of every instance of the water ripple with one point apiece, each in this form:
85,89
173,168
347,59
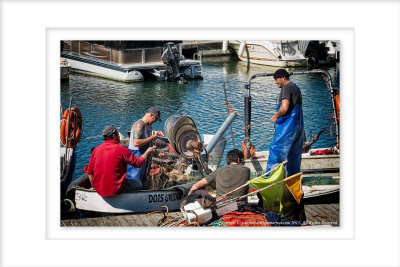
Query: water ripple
105,102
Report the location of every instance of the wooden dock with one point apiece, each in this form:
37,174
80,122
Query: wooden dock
317,214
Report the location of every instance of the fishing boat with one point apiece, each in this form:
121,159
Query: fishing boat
311,162
70,132
135,202
319,162
271,53
130,61
67,166
182,134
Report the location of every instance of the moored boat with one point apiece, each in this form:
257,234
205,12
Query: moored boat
129,61
288,53
271,53
71,127
70,132
170,188
320,52
135,202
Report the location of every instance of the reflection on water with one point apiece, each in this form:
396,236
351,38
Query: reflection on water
104,102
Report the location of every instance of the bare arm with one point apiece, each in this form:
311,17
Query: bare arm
200,184
91,181
150,150
137,131
282,110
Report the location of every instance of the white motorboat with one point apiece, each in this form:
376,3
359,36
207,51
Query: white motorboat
271,53
139,201
127,61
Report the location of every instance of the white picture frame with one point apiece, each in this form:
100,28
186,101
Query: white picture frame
29,232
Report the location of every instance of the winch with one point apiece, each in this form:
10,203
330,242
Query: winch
185,139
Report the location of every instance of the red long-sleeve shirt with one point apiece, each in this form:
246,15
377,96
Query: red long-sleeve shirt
108,165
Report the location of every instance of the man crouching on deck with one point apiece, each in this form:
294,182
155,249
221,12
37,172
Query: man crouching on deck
108,164
227,178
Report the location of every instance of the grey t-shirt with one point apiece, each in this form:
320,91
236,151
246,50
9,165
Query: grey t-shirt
291,92
228,178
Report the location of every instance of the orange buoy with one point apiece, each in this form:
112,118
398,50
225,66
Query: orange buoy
71,127
337,106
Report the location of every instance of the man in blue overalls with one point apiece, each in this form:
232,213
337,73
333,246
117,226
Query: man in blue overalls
288,138
141,138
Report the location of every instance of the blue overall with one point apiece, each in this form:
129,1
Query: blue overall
139,173
288,140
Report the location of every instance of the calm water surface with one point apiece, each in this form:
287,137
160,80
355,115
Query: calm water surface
103,102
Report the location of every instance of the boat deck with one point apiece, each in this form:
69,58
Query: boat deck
317,214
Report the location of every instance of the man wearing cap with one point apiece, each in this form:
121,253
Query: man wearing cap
288,137
142,137
228,178
108,164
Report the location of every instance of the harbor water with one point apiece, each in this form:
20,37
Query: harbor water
106,102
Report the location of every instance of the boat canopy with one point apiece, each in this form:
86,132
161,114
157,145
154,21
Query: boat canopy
131,44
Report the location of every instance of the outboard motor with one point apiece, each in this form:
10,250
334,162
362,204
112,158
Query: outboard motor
171,58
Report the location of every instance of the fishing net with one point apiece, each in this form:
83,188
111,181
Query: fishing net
165,177
319,180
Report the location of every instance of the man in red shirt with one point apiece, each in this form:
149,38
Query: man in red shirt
108,164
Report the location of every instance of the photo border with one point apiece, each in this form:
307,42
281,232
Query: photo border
344,231
27,231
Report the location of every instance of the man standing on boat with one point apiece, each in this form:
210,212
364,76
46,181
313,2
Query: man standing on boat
288,137
142,137
227,178
108,164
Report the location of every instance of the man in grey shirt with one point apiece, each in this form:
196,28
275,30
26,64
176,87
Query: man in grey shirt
228,178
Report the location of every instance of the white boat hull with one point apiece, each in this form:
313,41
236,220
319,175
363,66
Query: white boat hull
105,71
264,53
308,163
140,201
319,190
311,165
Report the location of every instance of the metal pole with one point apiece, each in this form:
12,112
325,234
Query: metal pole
224,46
220,133
227,109
328,80
247,99
67,137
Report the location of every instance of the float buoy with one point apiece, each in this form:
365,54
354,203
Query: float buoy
72,124
337,106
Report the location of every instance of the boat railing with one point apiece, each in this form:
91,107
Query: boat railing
247,99
197,55
124,56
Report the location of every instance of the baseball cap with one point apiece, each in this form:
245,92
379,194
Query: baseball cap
109,130
155,112
281,73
